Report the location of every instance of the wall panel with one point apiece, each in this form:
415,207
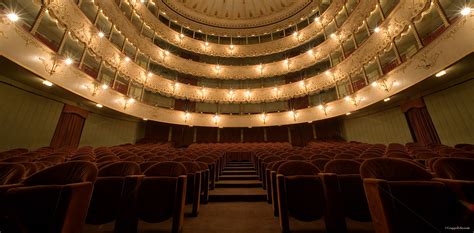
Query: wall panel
105,131
26,119
382,127
452,112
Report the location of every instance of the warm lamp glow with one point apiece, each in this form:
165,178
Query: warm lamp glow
377,29
13,17
101,34
441,73
47,83
386,99
68,61
466,11
99,105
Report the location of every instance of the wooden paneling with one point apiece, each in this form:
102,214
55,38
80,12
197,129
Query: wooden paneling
26,119
253,134
106,131
389,126
452,112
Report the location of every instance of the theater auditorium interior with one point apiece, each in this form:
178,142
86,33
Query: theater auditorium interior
239,116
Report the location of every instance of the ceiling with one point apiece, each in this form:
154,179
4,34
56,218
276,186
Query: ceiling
240,14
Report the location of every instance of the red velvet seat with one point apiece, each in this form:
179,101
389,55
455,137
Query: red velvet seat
162,194
310,205
158,159
52,200
193,187
458,174
272,191
212,164
296,157
204,181
17,159
11,173
402,195
263,164
345,191
319,163
114,195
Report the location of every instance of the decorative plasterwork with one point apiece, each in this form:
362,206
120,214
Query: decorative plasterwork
461,33
237,17
252,50
282,67
390,28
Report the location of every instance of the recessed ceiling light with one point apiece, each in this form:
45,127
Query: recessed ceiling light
441,73
13,17
47,83
466,11
99,105
386,99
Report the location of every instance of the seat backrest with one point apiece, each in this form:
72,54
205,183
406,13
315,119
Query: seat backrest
295,168
169,169
454,168
320,163
295,157
345,156
343,166
11,173
123,168
298,175
18,159
158,159
392,169
462,154
191,167
319,156
65,173
426,155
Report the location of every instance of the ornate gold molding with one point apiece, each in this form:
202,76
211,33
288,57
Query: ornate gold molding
409,73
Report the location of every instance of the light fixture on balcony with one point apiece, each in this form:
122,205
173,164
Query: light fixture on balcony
386,99
348,113
47,83
127,101
186,116
260,68
324,107
231,47
95,88
57,60
287,63
377,29
354,99
218,69
101,34
317,19
294,114
216,118
466,11
441,73
206,44
384,84
264,117
13,17
247,94
99,105
164,54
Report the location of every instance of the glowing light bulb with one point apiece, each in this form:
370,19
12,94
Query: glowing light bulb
99,105
465,11
68,61
47,83
101,35
386,99
441,73
104,86
13,17
377,29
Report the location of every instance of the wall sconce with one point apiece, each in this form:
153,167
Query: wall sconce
231,95
354,99
174,86
13,17
95,88
206,44
57,61
276,91
264,117
186,116
202,93
303,86
164,54
313,54
216,118
294,114
324,107
231,47
218,69
287,63
384,84
260,68
247,94
127,101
